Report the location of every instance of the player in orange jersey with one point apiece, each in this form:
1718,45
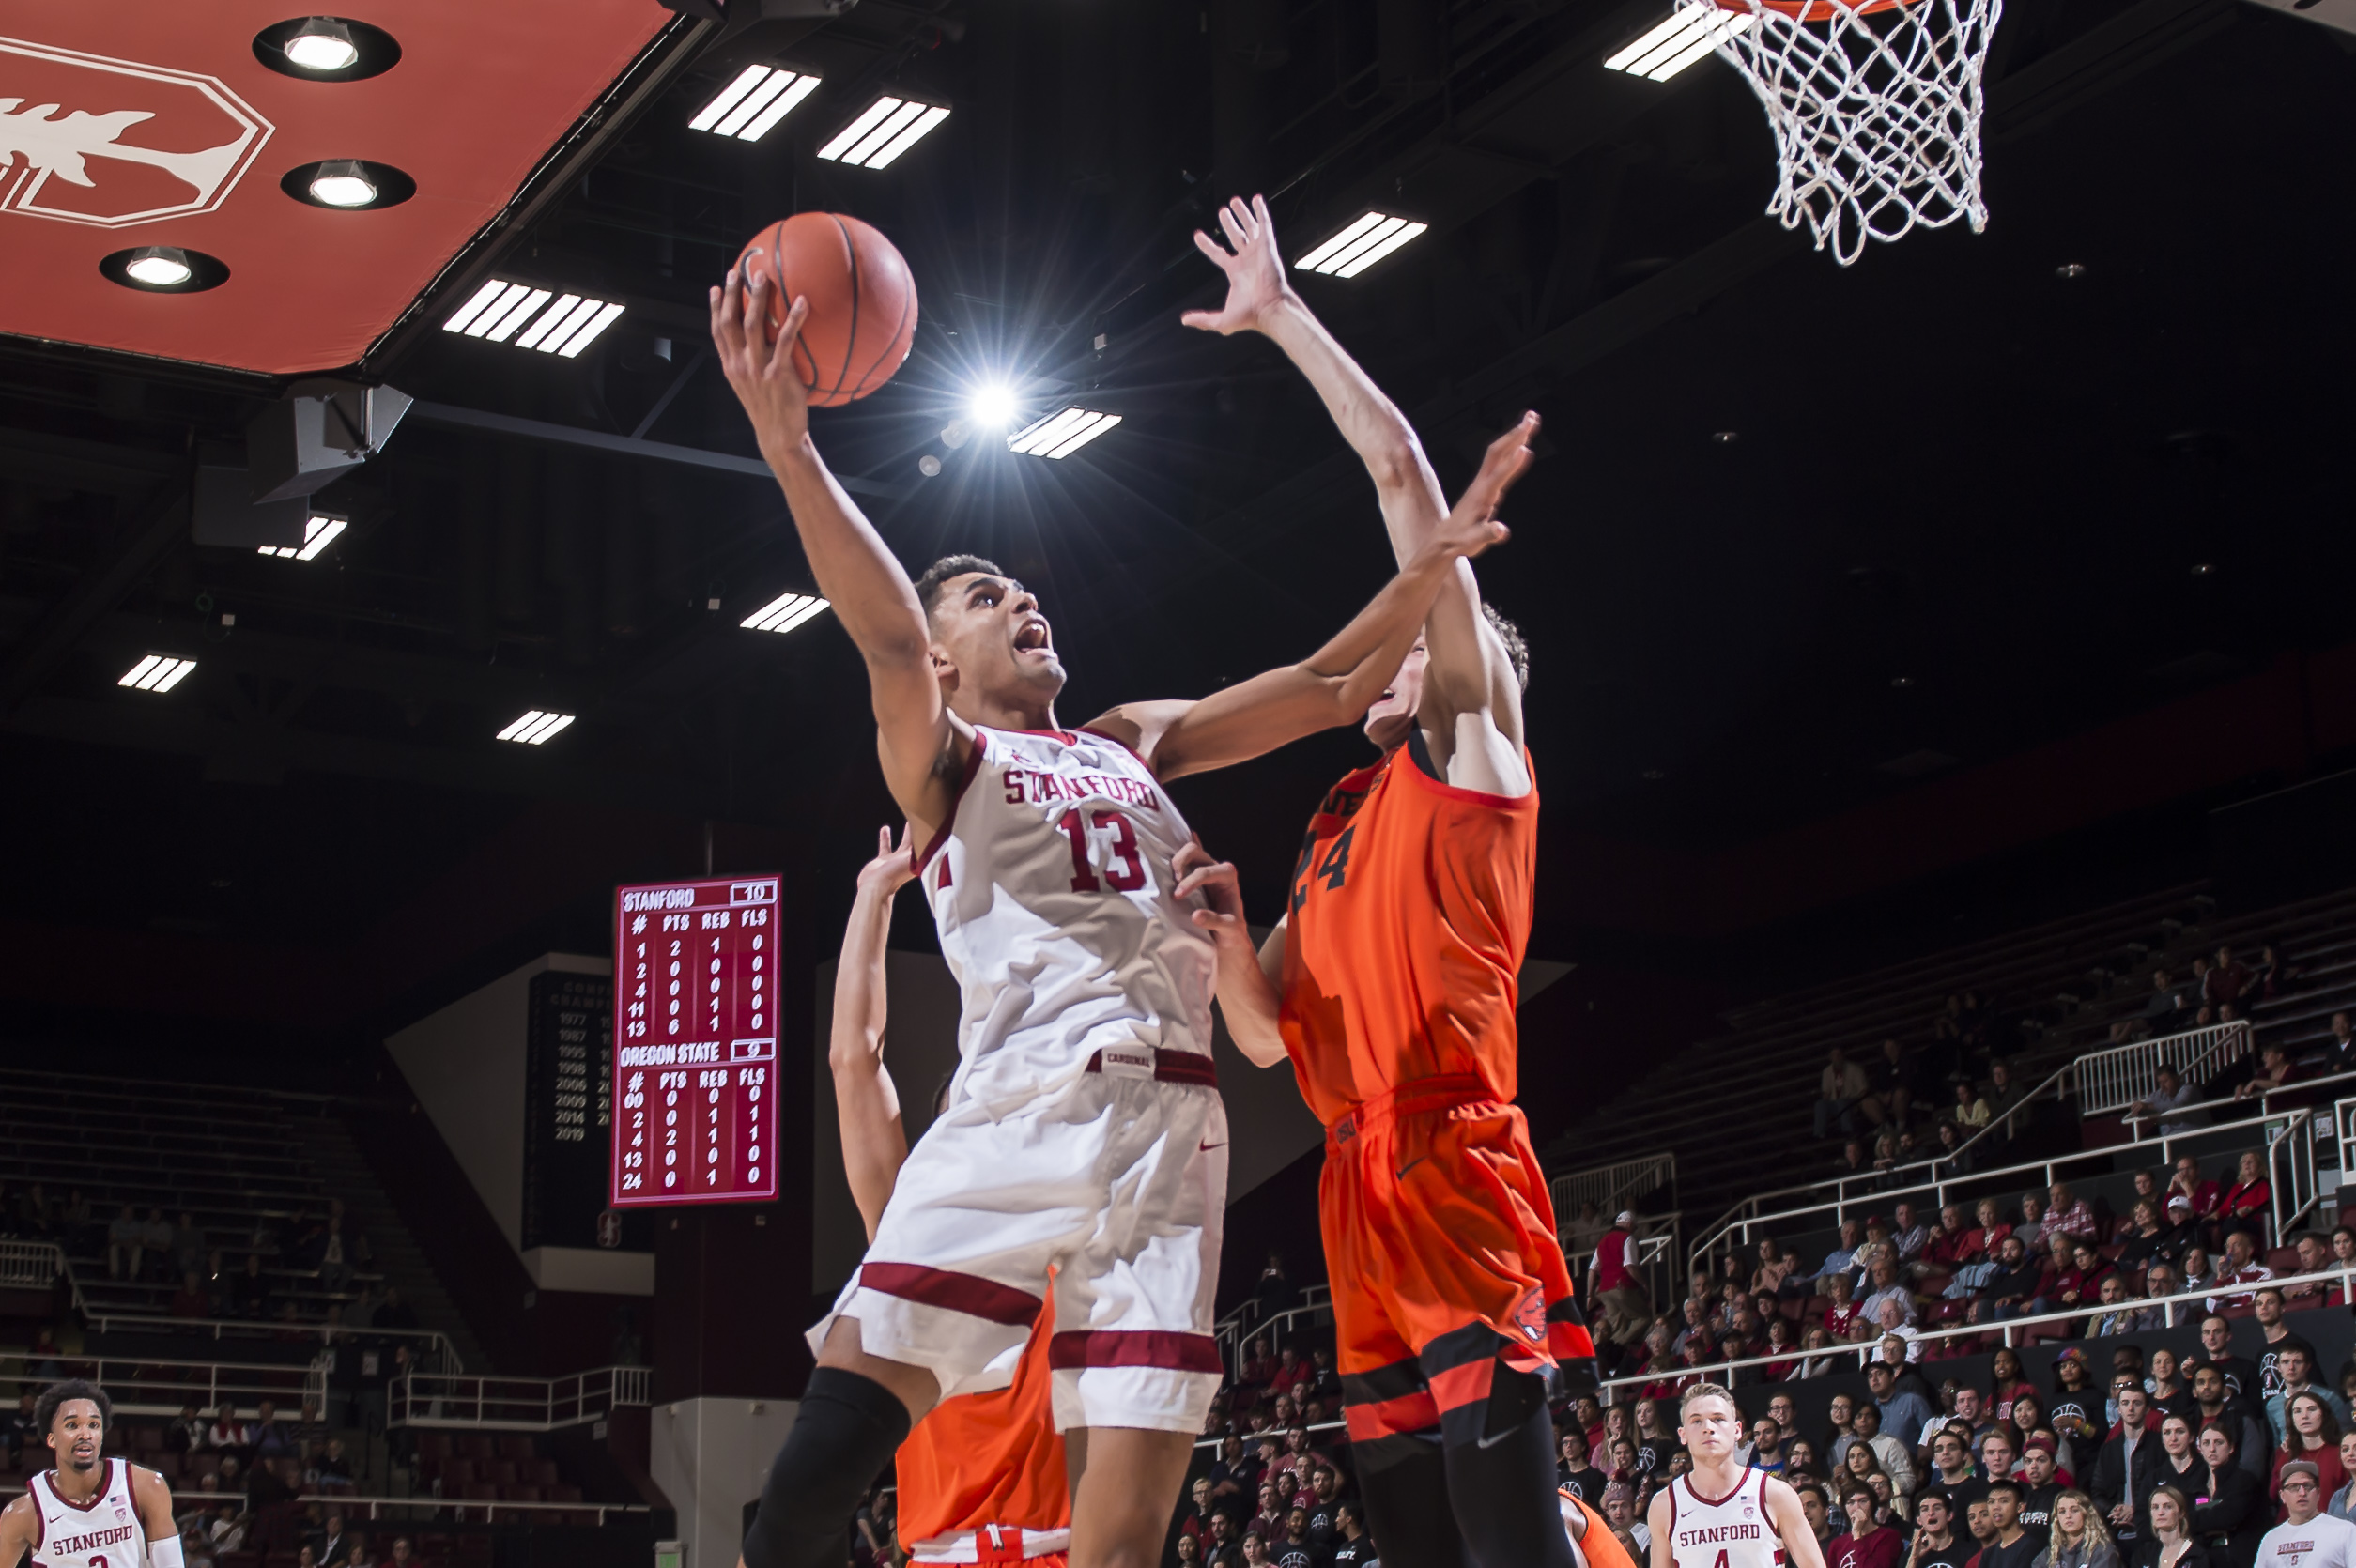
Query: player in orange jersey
981,1476
1390,983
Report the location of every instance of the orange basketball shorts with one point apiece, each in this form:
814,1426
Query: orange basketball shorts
1439,1243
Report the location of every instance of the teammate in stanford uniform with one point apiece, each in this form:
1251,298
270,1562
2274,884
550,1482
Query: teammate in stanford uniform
88,1512
981,1477
1390,982
1085,1132
1723,1513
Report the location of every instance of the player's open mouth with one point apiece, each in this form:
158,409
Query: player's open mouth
1033,638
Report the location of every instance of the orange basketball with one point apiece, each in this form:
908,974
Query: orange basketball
862,300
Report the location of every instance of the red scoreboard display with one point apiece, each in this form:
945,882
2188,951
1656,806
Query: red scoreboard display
695,1042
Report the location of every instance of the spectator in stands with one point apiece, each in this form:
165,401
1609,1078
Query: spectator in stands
2126,1467
1841,1088
1614,1283
2190,1199
2199,1272
2017,1286
2340,1049
122,1244
2240,1265
228,1434
335,1269
2267,1307
267,1438
2314,1255
2218,1406
2244,1204
2144,1238
155,1237
20,1429
191,1301
2165,1104
2031,1226
2228,978
1903,1413
1866,1543
1950,1148
1354,1548
250,1289
2008,1102
228,1529
2314,1438
1970,1113
1275,1289
1886,1287
333,1545
1775,1269
2078,1411
2294,1368
1908,1232
1842,1259
188,1247
1855,1161
2227,1512
2068,1214
2274,1070
2079,1538
2123,1316
1890,1083
2008,1545
1895,1454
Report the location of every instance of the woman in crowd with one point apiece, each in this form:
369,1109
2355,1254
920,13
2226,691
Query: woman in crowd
2168,1544
1960,1161
2245,1203
2027,1419
2343,1503
2227,1517
2315,1437
2145,1238
1859,1464
2005,1383
1817,1366
2200,1273
1799,1460
1779,1342
2169,1394
1866,1543
1971,1112
2181,1464
2079,1538
1775,1270
2077,1403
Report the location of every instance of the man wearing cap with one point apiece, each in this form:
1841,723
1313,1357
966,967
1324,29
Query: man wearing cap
1613,1282
2307,1537
2039,1487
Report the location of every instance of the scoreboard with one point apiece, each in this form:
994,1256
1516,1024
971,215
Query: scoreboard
568,1107
695,1042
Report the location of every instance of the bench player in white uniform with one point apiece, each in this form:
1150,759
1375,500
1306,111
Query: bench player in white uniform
1722,1514
1085,1130
89,1511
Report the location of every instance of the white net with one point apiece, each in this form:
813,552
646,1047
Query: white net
1876,112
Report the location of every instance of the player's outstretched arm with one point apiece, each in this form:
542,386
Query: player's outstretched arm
1247,996
1341,681
1800,1546
1657,1520
867,1104
921,744
1473,701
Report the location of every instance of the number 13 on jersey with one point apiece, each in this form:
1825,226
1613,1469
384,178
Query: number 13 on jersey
1124,869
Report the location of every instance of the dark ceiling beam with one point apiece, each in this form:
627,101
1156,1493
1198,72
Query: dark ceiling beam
101,468
451,417
154,530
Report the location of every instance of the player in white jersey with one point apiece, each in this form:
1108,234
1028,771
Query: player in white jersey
88,1512
1087,1131
1724,1514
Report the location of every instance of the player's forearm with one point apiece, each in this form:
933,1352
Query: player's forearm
1368,419
1364,656
862,580
1250,1005
867,1103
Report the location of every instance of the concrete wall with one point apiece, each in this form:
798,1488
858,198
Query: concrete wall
710,1457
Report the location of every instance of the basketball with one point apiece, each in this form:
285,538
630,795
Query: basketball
862,300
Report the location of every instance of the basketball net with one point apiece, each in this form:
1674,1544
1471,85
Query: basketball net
1876,107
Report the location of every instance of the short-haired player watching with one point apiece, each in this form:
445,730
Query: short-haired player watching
1723,1513
63,1519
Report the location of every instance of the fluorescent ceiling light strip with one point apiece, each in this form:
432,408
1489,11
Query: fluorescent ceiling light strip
1337,264
588,334
518,317
883,135
474,307
555,313
1368,257
145,667
910,137
850,134
1087,433
1702,46
489,317
1673,28
558,722
807,613
754,102
803,86
533,734
535,717
1045,432
746,80
174,671
320,534
768,614
1317,259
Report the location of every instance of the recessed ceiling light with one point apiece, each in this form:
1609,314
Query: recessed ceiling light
749,106
783,613
2070,269
885,130
160,266
1060,435
535,728
993,406
157,673
1726,438
322,44
342,183
500,310
163,269
1900,683
1678,42
2204,569
1364,241
317,535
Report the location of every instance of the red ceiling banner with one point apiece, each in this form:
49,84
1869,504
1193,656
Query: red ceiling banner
128,123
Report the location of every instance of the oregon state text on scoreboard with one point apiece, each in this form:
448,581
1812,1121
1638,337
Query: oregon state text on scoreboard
695,1041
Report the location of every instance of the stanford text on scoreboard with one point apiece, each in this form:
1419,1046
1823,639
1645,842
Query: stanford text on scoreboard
695,1042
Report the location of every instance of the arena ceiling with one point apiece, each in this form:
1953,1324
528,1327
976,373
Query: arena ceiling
1807,542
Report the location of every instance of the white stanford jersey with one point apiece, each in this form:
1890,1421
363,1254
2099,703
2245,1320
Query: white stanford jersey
2322,1542
103,1534
1732,1531
1051,886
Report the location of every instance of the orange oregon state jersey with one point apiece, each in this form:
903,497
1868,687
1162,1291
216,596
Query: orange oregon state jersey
981,1477
1410,910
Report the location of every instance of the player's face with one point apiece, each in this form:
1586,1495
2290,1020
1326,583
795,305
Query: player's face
1388,720
1711,1429
75,1433
988,635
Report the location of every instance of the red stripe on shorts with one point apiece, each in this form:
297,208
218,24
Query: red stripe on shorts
967,1293
1162,1347
1390,1418
1459,1386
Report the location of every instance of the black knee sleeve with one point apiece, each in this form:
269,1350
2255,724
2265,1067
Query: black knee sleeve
1501,1483
1405,1489
845,1434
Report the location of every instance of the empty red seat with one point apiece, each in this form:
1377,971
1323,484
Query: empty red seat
478,1445
433,1445
518,1447
455,1475
545,1473
500,1472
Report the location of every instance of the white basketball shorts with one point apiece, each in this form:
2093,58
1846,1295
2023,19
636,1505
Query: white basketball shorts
1120,1184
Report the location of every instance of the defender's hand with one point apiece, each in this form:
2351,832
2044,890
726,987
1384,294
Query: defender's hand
1215,880
1255,272
1471,525
761,372
893,868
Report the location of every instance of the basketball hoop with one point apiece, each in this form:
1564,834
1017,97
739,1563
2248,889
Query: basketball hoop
1876,107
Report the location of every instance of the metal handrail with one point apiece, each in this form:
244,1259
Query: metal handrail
2117,1076
1231,1332
1612,1188
143,1385
514,1404
2265,1101
1863,1350
422,1509
1935,1190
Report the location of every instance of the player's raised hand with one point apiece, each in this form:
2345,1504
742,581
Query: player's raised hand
761,371
1255,272
893,866
1471,525
1215,880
